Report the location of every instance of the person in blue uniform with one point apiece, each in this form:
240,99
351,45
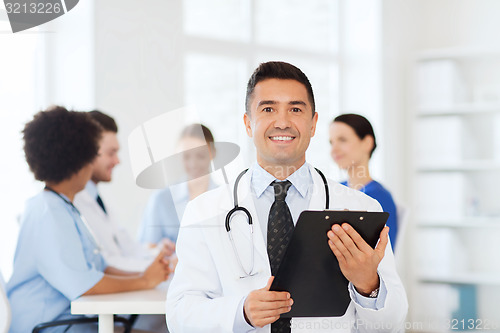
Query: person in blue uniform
57,258
353,142
166,207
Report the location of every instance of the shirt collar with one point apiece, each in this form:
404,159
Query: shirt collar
91,189
301,179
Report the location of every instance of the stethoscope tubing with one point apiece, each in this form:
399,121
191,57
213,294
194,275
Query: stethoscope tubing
237,208
97,248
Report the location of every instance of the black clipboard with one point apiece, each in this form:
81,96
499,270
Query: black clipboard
310,271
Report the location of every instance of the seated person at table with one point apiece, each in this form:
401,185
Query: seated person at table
118,248
166,207
57,259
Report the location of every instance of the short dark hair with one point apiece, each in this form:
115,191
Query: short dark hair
360,125
278,70
107,122
58,143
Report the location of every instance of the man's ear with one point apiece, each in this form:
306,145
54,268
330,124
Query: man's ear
248,124
315,121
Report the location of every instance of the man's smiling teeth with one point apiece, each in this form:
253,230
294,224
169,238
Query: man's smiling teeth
281,138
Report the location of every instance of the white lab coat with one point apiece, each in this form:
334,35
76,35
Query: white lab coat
206,288
117,247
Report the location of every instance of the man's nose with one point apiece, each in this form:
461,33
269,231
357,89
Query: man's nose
282,119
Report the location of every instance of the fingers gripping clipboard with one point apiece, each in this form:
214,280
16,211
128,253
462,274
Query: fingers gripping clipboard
310,271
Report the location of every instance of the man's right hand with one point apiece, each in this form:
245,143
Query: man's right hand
263,307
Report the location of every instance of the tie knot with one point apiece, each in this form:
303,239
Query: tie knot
280,189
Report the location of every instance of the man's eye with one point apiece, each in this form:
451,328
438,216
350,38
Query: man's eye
268,109
296,110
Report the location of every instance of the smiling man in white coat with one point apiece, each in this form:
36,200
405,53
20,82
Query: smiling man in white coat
222,285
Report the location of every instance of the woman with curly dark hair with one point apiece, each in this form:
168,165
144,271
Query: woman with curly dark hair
57,258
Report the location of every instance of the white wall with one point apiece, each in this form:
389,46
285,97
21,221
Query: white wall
69,68
137,71
400,35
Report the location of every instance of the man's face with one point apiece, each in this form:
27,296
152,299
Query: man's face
107,158
280,123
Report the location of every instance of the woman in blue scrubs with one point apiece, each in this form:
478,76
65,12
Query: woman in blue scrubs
165,208
57,259
353,142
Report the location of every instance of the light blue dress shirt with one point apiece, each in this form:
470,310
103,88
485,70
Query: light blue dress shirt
164,212
55,262
297,199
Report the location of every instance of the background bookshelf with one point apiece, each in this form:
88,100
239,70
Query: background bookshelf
457,176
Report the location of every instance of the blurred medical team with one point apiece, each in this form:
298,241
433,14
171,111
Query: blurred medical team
58,256
71,242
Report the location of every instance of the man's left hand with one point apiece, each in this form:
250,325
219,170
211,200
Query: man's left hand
357,260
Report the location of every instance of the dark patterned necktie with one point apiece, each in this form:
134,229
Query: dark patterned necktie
279,232
99,201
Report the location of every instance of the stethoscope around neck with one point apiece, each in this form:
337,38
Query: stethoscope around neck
238,208
97,248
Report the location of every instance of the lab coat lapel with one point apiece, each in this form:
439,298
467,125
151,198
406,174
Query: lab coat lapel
87,199
245,199
318,195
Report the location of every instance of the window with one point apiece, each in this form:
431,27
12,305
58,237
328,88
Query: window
18,102
330,40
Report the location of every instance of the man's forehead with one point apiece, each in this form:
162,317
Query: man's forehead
280,90
108,134
109,138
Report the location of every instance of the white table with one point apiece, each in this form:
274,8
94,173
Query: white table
133,302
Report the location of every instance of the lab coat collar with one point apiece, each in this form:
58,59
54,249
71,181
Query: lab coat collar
91,189
318,195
